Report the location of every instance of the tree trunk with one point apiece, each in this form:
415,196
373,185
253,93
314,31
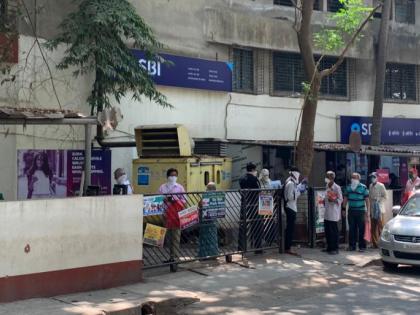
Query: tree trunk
380,74
305,150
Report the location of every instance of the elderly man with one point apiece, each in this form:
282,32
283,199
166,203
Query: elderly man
357,198
377,198
333,201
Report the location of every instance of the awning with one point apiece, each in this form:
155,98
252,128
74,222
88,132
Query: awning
390,150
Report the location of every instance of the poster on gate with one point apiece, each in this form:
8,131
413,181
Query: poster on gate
188,217
153,205
319,211
154,235
265,204
213,205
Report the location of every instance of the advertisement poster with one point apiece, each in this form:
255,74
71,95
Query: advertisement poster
319,211
214,205
153,205
154,235
188,217
57,173
265,204
383,176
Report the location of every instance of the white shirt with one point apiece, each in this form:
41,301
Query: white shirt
292,193
333,208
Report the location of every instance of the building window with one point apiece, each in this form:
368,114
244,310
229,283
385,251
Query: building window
334,5
288,75
289,3
243,70
400,82
405,11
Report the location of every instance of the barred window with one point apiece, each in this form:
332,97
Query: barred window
289,3
400,82
288,75
3,11
334,5
243,70
405,11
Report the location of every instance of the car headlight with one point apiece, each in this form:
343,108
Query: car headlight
386,234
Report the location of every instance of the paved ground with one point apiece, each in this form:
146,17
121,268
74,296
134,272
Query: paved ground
272,284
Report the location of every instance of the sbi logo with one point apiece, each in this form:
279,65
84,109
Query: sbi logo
151,66
365,128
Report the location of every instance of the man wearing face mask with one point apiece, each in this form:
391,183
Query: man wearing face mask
333,200
412,184
377,198
174,203
292,191
121,178
357,198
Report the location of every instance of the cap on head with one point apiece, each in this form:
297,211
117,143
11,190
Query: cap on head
265,172
356,176
118,172
331,174
251,167
374,174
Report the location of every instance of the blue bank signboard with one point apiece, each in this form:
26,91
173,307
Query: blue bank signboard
188,72
394,130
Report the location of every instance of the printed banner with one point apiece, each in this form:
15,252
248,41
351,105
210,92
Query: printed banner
153,205
213,205
57,173
319,211
265,204
154,235
383,176
188,217
188,72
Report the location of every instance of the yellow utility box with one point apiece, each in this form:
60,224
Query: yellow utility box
161,147
194,173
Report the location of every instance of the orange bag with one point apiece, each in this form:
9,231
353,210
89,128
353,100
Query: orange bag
368,232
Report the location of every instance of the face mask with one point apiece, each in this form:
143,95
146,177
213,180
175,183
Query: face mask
296,175
327,180
172,179
354,183
122,179
374,180
411,176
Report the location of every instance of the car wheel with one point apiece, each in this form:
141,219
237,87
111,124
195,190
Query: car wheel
389,266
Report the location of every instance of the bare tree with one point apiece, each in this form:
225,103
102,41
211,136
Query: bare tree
349,23
381,54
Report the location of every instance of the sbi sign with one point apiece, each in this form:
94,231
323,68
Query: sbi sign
151,66
364,128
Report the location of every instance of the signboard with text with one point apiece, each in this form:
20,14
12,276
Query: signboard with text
188,217
394,130
213,205
188,72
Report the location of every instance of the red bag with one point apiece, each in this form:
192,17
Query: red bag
368,231
172,209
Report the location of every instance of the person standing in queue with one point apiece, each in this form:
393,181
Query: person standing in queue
208,240
292,190
377,198
412,184
332,202
174,203
357,197
250,224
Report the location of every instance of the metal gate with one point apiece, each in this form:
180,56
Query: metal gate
237,226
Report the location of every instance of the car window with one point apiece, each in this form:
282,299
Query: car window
412,208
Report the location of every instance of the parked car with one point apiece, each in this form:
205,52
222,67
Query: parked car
400,238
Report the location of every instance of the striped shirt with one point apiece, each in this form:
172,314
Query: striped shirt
356,198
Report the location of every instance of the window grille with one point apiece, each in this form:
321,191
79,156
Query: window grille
3,11
405,11
289,75
400,82
334,5
243,70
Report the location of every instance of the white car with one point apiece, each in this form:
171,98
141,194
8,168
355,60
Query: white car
400,238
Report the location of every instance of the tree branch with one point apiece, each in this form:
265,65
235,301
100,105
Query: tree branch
340,60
